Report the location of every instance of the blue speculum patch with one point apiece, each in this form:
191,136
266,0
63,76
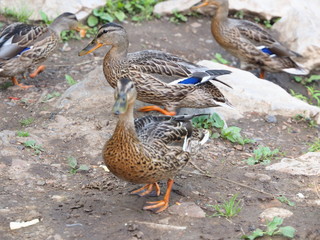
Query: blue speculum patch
267,51
192,80
23,50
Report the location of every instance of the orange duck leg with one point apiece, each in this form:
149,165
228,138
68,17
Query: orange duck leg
37,71
159,206
15,82
152,189
158,109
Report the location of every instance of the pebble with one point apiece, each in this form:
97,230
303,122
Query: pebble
271,119
258,176
189,209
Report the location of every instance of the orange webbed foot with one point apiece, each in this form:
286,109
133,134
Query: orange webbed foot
15,82
158,109
149,189
159,206
37,71
262,74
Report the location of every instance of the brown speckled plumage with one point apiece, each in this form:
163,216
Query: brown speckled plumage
23,46
244,39
151,148
153,71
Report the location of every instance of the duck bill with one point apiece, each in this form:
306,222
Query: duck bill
90,48
199,5
121,104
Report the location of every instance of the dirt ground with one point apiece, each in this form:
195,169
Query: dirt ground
96,205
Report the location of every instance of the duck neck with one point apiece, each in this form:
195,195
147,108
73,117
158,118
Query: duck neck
118,51
222,11
57,26
126,122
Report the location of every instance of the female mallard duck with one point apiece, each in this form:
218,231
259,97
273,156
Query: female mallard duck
160,78
151,148
23,46
253,45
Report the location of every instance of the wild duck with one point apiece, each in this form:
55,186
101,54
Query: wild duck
149,149
249,42
160,78
23,46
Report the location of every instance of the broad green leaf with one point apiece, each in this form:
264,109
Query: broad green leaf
72,161
257,233
273,225
70,80
92,21
287,231
120,15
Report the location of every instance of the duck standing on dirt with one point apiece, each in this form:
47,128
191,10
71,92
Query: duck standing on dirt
23,46
149,149
249,42
160,78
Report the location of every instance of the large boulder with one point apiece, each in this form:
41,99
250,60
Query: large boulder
252,94
82,8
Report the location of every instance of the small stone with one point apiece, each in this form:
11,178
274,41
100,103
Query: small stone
41,182
270,213
271,119
300,195
139,234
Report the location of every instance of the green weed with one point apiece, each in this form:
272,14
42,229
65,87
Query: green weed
67,35
307,80
136,10
239,14
285,200
26,122
314,95
50,96
220,59
22,15
33,145
272,230
298,95
23,134
73,164
315,146
262,155
300,118
214,123
45,18
178,17
5,85
228,208
70,80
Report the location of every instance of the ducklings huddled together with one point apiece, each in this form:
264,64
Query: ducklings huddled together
151,148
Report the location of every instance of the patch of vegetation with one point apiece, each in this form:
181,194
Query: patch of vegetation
262,155
273,229
67,35
219,129
228,208
73,164
239,14
70,80
314,95
50,96
45,18
26,122
178,17
285,200
23,134
307,80
267,23
315,146
33,145
220,59
300,118
5,85
21,15
136,10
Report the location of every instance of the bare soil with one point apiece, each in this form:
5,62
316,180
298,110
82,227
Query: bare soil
96,205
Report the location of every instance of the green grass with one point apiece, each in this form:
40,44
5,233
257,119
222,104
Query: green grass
284,199
315,146
220,59
216,125
262,155
70,80
6,85
23,134
33,145
307,80
272,229
228,209
300,118
21,15
178,17
51,96
26,122
73,164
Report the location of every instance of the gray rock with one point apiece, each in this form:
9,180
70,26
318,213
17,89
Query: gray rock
189,209
307,164
271,119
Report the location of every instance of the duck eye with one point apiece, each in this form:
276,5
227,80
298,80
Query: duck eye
105,31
